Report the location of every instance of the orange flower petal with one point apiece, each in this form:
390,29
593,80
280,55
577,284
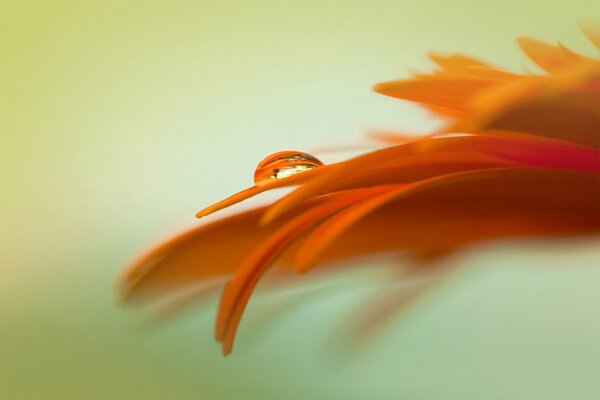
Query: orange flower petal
591,29
242,284
254,190
549,58
515,203
429,157
518,157
327,232
456,62
196,255
449,92
394,137
564,107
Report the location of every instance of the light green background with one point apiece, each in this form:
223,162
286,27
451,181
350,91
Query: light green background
120,119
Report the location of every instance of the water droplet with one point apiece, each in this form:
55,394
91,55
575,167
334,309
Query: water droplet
284,164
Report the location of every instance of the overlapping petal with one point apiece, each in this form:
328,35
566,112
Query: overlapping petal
519,157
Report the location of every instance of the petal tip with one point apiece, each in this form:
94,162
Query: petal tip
380,88
226,352
201,214
268,216
591,28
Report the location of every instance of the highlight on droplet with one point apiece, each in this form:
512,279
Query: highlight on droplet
284,164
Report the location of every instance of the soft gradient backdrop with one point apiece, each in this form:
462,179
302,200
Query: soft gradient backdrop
120,119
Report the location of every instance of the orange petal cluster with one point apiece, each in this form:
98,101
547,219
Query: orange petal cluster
518,157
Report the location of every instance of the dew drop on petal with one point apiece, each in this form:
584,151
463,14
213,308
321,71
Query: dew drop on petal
284,164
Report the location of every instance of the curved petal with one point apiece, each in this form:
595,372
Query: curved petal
196,255
548,154
456,62
393,137
518,157
549,58
564,107
254,190
242,284
520,203
450,92
327,232
433,156
591,29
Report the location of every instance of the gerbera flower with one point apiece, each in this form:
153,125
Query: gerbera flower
517,157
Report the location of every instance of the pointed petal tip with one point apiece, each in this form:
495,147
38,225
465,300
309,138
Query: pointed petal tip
521,39
529,44
233,199
201,213
526,42
591,28
227,343
124,287
549,57
226,352
219,327
275,211
269,216
380,87
213,208
303,267
305,261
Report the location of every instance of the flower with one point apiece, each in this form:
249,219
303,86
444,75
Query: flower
517,157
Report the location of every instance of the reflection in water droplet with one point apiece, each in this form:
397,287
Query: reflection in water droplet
283,164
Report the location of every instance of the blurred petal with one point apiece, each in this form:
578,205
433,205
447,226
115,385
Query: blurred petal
193,256
564,108
335,226
591,29
456,62
433,156
327,232
549,58
449,92
240,287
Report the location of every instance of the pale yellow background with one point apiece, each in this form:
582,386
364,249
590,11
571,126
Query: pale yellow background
120,119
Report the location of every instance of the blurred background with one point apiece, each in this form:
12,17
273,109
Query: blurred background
120,119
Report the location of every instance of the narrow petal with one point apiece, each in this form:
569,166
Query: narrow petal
411,162
254,190
591,29
242,284
394,137
196,255
327,232
549,154
450,92
549,58
455,62
564,107
518,156
515,203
